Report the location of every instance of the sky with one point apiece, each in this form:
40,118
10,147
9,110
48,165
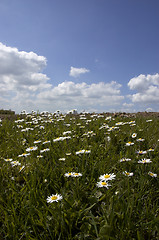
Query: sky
92,55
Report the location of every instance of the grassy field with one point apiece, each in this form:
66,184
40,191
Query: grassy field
79,177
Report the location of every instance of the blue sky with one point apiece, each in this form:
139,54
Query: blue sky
112,48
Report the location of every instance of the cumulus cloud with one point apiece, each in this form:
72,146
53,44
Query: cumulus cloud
20,74
147,89
20,71
75,95
76,72
24,86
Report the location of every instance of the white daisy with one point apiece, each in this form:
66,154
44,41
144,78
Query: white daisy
144,161
103,184
82,151
134,135
125,159
54,198
128,174
107,177
129,143
44,150
34,148
69,174
152,174
77,174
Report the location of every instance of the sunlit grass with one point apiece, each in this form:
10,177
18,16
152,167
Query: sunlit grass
73,177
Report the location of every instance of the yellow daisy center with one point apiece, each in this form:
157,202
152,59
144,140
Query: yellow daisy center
151,174
69,174
103,183
76,174
127,173
53,198
106,176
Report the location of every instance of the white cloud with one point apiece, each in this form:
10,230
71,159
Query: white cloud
20,71
24,86
76,72
20,74
147,89
82,95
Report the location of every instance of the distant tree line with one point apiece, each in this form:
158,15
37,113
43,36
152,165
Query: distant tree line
10,112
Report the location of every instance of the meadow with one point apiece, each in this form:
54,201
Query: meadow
84,176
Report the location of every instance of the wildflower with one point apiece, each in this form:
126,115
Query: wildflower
140,140
21,168
68,154
140,152
15,163
31,149
8,159
152,174
44,150
37,141
150,150
69,174
46,142
77,175
125,159
61,159
82,151
24,155
134,135
129,144
128,174
107,177
67,132
103,184
149,120
54,198
144,161
39,156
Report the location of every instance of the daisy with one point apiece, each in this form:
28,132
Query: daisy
62,159
103,184
21,168
107,177
82,151
149,120
140,140
141,152
134,135
39,156
77,175
32,149
54,198
68,154
152,174
8,159
128,174
15,163
125,159
44,150
144,161
129,144
46,142
24,155
69,174
150,150
37,141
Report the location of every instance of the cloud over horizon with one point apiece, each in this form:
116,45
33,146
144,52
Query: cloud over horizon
147,89
24,86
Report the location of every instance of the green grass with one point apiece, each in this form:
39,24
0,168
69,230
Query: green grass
128,209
